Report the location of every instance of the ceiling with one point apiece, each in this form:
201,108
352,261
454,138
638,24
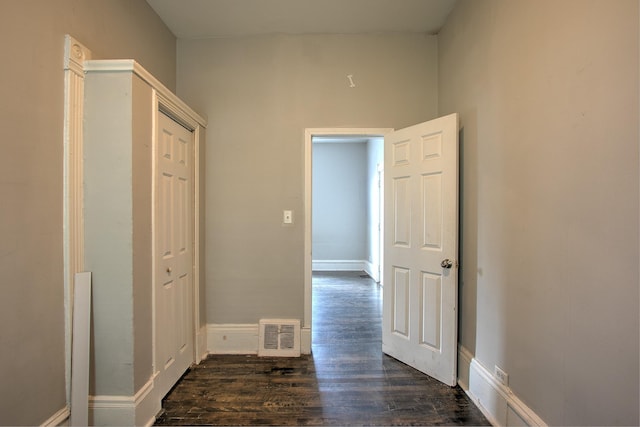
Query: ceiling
194,19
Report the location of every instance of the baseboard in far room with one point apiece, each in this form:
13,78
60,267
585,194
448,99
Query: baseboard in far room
339,265
60,418
496,401
244,338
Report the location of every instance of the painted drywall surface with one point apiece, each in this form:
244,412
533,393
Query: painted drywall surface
31,259
118,244
339,201
548,99
108,209
259,94
142,210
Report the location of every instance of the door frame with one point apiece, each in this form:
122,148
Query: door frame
309,133
182,114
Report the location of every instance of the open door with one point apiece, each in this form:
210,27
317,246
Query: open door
419,319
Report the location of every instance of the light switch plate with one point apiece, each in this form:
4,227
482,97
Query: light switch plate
287,217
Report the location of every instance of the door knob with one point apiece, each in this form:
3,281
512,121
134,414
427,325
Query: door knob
446,263
169,270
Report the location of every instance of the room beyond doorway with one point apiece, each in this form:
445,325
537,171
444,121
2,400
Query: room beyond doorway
347,204
327,134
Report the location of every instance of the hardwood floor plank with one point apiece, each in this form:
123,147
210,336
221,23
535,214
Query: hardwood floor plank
347,381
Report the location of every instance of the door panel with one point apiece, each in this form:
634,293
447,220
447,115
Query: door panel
174,338
421,215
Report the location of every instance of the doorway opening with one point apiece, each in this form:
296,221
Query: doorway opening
362,224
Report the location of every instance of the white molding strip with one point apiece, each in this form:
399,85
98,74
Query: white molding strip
58,418
339,265
80,351
75,55
496,401
140,409
233,338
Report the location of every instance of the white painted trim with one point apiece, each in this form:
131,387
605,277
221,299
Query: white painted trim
339,265
200,342
309,133
139,409
305,340
57,419
80,353
372,270
232,338
75,55
201,346
464,362
497,402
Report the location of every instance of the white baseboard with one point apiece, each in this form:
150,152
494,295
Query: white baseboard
338,265
464,363
305,340
201,344
496,401
140,409
231,338
372,270
60,418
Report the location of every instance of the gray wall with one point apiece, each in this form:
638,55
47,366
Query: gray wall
547,93
31,117
260,93
339,201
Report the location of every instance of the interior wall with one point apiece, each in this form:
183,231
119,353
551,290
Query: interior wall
547,93
32,329
339,229
260,93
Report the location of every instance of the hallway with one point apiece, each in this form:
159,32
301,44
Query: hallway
347,380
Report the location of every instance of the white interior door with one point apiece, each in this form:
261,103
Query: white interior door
421,245
174,252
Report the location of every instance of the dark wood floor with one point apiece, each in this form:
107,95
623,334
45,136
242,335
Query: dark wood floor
347,380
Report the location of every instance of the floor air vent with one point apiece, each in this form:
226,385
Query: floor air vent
279,338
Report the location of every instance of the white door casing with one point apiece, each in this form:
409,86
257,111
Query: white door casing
421,235
174,252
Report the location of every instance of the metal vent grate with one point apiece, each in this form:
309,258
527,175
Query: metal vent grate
279,338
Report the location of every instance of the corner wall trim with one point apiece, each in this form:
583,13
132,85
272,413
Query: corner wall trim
496,401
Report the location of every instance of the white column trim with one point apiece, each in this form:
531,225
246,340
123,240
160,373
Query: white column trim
75,54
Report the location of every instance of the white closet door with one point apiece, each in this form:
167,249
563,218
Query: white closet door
174,340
